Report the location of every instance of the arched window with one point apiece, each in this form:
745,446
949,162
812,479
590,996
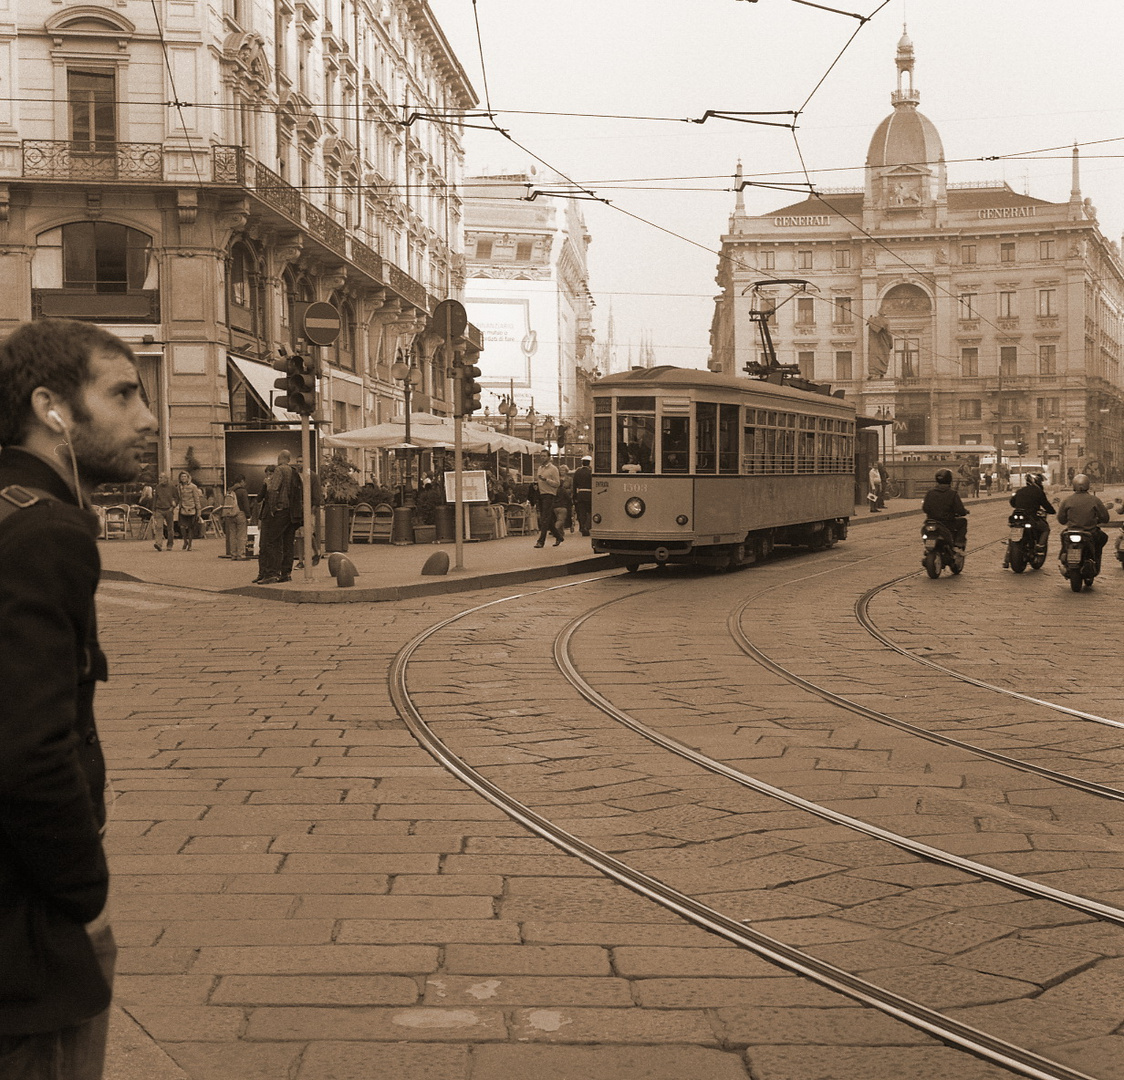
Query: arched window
95,270
345,352
298,289
103,257
244,299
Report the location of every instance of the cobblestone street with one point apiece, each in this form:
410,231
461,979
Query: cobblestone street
301,891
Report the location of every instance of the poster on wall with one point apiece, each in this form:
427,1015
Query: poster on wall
249,452
509,340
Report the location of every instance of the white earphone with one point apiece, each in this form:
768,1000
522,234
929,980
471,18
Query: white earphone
60,423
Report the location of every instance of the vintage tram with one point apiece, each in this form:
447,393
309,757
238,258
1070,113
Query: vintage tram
699,467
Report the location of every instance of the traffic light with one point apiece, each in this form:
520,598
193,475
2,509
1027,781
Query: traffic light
1021,448
468,389
299,384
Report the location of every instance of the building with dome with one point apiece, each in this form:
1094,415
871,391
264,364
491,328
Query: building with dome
969,314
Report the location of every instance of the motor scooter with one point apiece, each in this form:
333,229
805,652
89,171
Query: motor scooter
1077,560
938,551
1022,550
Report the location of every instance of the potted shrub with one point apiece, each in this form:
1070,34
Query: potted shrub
340,490
425,510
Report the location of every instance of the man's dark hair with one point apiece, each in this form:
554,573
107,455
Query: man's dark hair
54,353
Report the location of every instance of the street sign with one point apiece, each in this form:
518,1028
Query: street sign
318,323
450,319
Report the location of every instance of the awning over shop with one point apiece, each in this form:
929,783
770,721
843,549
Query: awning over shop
427,430
259,380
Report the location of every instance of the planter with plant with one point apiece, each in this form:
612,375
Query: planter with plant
425,512
340,490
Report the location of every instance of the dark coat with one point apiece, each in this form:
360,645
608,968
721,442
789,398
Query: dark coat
943,504
53,875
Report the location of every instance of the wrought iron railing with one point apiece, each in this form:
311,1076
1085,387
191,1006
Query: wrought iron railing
325,229
65,159
232,165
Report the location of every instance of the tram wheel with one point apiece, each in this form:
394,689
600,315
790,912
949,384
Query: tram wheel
632,567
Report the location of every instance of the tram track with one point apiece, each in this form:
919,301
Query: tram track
949,1030
862,613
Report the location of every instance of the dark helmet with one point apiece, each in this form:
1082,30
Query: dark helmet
944,476
1035,478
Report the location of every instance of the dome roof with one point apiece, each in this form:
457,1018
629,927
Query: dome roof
904,137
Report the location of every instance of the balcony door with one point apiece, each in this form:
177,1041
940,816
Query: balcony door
92,97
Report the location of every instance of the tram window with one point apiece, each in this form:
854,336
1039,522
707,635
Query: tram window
706,436
602,444
675,445
728,438
806,462
636,404
754,450
602,405
636,441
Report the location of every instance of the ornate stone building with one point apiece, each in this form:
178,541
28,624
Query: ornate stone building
188,173
969,313
528,291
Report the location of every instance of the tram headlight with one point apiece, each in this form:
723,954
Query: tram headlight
596,519
634,507
681,519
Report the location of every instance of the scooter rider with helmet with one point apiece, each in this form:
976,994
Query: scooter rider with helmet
1083,510
943,504
1031,497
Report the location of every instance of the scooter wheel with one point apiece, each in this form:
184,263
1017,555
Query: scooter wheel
1076,581
932,567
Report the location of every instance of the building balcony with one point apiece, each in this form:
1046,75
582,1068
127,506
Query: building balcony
61,159
229,166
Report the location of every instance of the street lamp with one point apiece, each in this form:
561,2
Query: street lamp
410,377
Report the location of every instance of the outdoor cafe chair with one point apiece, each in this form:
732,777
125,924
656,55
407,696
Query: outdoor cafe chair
362,523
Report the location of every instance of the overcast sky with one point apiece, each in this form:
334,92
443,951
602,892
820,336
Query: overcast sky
997,77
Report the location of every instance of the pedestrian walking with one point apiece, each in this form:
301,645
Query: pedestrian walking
874,496
190,500
548,479
564,501
583,495
235,519
165,503
71,417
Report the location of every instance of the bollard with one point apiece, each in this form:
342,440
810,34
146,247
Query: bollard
345,572
437,564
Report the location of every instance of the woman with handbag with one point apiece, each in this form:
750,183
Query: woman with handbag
191,506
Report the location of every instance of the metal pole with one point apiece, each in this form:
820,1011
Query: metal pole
306,498
458,496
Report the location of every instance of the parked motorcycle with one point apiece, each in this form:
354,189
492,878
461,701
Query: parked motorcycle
1022,550
1078,559
938,550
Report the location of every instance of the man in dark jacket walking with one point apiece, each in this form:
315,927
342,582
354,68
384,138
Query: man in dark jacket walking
71,417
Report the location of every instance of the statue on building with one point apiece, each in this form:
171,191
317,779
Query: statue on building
880,344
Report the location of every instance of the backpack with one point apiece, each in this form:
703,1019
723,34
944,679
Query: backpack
229,505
